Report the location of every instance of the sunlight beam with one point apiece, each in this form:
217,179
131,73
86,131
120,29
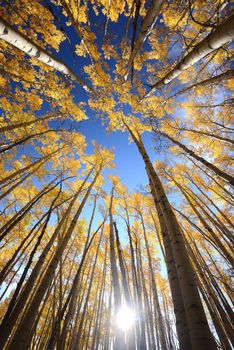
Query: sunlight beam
125,318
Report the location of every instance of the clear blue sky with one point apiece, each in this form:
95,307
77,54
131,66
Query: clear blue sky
129,165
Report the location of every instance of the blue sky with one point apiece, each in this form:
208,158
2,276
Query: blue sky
129,165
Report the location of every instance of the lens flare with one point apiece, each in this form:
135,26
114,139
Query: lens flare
125,318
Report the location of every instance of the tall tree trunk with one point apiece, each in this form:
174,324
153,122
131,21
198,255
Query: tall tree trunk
143,342
71,299
126,289
158,317
149,314
222,34
145,29
213,80
80,303
100,305
11,317
108,323
210,166
27,167
137,301
23,43
80,329
200,335
178,303
119,340
25,139
33,252
19,340
122,268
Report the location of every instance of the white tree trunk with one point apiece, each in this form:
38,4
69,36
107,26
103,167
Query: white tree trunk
229,74
220,36
145,29
19,40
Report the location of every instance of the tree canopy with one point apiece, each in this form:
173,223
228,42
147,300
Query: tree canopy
86,260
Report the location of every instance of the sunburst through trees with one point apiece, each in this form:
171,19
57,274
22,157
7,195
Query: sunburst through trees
98,256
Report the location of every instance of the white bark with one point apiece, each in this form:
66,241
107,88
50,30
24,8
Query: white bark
145,29
223,34
19,40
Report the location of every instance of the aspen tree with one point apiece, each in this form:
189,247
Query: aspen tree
11,316
209,165
200,335
23,43
167,249
220,36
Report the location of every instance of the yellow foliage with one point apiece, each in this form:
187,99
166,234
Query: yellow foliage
2,81
230,84
81,50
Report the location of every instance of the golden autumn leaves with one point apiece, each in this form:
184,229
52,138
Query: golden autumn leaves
175,222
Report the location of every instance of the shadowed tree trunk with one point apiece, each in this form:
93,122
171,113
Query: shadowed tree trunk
158,317
19,340
178,304
149,315
25,139
209,165
10,127
119,340
26,168
199,332
145,29
126,289
213,80
72,297
80,329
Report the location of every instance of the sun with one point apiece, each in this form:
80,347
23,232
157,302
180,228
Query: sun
125,318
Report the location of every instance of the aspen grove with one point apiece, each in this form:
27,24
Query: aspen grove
89,261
